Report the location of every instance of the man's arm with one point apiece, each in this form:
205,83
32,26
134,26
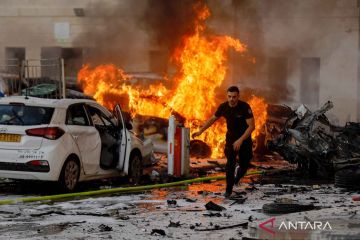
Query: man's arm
251,127
207,124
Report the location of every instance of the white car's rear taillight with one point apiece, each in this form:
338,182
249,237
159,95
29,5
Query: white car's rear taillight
51,133
38,163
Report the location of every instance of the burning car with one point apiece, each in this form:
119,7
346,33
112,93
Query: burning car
67,140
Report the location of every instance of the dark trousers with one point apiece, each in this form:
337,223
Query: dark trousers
245,156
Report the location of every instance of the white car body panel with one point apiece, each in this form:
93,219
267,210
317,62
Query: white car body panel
26,143
82,141
88,141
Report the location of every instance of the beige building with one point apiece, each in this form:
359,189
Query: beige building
307,51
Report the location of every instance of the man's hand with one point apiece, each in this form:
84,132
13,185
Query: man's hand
206,126
196,134
237,144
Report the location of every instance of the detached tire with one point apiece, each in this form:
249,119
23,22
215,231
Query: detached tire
135,168
281,208
69,176
348,178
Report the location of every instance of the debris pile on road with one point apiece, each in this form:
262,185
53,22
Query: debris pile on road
309,140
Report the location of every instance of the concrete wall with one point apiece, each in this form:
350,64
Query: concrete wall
331,35
31,24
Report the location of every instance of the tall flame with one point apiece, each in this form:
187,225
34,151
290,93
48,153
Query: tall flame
202,67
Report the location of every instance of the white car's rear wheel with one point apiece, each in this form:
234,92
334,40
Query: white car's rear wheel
70,175
135,168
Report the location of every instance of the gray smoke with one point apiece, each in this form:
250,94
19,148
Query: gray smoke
125,32
278,33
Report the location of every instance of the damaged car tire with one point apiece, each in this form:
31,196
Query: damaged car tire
135,168
70,173
348,178
199,149
281,208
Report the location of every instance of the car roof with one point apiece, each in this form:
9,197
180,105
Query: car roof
44,102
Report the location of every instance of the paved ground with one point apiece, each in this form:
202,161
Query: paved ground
180,213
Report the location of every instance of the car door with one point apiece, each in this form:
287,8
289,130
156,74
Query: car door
125,140
109,136
85,136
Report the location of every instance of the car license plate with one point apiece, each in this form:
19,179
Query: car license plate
5,137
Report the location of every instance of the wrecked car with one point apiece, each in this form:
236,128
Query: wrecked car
67,140
309,140
277,115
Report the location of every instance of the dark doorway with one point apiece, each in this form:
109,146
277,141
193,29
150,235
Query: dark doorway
73,60
15,53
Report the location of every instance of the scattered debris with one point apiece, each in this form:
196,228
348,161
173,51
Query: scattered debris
212,214
92,214
47,213
214,207
240,193
252,188
227,215
158,231
217,227
353,214
237,200
124,217
174,224
192,200
171,203
286,207
105,228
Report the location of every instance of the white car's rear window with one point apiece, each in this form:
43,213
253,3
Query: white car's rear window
17,114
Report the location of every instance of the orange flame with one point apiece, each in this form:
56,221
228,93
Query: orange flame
202,66
259,108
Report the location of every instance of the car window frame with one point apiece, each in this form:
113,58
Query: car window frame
86,115
102,115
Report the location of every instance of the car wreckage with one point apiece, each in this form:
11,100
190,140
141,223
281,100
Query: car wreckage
319,148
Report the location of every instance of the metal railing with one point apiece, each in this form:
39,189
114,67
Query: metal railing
33,77
10,76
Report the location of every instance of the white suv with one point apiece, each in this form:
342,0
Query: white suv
66,140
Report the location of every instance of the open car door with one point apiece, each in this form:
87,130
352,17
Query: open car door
125,140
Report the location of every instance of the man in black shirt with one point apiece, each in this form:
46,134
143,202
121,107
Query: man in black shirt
240,124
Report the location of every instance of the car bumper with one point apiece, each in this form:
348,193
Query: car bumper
23,167
13,164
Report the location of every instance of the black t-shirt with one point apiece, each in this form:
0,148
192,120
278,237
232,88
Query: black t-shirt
235,120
